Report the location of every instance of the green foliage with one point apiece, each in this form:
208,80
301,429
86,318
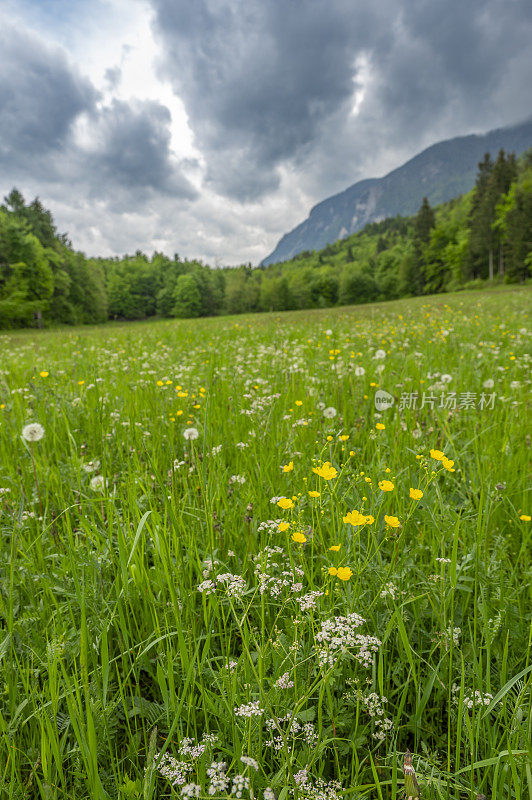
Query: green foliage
482,235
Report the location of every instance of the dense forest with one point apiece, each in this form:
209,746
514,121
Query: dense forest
485,235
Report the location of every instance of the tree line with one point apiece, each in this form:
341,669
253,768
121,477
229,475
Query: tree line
485,235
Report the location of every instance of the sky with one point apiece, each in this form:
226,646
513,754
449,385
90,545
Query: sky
209,128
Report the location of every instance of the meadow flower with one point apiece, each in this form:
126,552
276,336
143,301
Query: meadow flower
448,464
252,709
268,794
437,455
314,494
326,471
344,573
98,483
359,371
525,518
299,537
354,518
329,413
386,486
393,522
33,432
190,434
446,378
416,494
489,383
334,548
285,502
283,526
250,762
288,467
283,682
380,426
44,374
332,571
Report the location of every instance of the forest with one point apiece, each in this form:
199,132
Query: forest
482,237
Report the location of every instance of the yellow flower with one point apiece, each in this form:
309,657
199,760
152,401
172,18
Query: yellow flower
525,517
332,571
354,518
326,471
285,503
370,520
283,526
416,494
393,522
299,402
380,426
437,455
288,467
44,374
448,464
299,537
80,383
314,494
160,383
334,548
386,486
344,573
344,437
367,479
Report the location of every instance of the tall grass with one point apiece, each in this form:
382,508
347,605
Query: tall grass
113,660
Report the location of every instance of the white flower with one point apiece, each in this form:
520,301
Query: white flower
489,384
190,433
329,413
446,378
359,371
380,354
249,762
328,332
98,483
33,432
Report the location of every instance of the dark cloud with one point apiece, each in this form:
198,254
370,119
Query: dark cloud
273,83
40,96
133,149
126,154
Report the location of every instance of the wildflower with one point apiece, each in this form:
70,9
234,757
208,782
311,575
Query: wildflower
393,522
299,402
269,794
299,537
326,471
190,434
380,426
252,709
386,486
250,762
380,354
416,494
489,384
354,518
329,413
448,464
44,374
33,432
314,494
344,437
285,502
334,548
525,518
437,455
446,378
359,371
283,682
288,467
98,483
332,571
370,520
344,573
283,526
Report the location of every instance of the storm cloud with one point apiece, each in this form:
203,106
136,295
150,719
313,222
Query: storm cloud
255,109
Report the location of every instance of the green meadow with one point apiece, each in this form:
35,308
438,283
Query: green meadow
226,572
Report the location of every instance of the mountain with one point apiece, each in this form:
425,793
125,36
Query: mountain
440,172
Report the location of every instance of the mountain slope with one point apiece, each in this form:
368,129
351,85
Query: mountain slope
440,172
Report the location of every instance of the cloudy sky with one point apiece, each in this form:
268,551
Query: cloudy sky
210,127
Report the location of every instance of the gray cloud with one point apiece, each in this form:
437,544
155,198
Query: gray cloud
272,83
43,97
40,96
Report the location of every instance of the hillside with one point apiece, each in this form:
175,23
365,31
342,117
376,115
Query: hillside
440,172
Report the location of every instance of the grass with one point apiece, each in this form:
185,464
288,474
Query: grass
321,666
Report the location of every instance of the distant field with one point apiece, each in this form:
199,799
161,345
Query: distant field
225,572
